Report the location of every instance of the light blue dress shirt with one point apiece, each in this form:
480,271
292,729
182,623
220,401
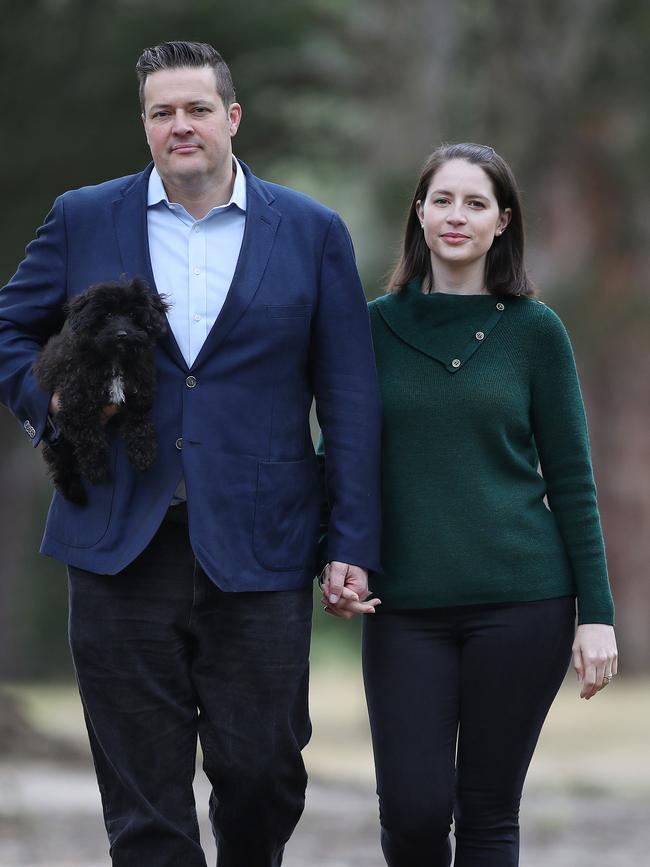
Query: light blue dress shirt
194,261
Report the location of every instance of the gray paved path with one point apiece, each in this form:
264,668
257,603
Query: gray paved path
50,815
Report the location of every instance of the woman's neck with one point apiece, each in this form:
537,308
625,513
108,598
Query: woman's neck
463,280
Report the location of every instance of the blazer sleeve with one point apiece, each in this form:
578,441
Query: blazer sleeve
31,310
345,387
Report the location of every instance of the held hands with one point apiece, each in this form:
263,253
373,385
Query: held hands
345,590
595,657
107,412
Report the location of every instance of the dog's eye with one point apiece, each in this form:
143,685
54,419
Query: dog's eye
109,315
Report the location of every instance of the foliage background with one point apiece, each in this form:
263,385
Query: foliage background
344,100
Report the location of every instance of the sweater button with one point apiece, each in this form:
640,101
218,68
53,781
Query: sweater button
455,362
479,335
501,306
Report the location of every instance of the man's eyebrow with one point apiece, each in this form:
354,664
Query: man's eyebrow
158,105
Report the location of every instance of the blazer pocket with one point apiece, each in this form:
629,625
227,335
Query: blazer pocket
287,507
288,312
83,526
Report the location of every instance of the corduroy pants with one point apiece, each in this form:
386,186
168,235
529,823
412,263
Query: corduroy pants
457,698
161,655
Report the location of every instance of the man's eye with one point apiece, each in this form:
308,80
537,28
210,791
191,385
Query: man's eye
158,114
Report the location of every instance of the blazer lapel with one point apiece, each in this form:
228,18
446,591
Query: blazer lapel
130,221
262,222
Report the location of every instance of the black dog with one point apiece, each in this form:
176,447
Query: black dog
104,354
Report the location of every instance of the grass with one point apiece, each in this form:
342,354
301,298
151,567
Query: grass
586,747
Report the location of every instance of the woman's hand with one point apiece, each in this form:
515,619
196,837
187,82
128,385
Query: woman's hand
595,657
345,591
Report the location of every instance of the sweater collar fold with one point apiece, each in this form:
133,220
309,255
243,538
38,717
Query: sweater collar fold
447,328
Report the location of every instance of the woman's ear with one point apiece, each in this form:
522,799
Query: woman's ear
504,219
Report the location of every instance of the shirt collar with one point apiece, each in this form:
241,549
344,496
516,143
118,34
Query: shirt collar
156,191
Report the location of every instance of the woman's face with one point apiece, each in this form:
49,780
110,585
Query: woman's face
460,215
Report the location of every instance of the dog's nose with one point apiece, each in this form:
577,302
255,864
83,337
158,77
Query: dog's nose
120,334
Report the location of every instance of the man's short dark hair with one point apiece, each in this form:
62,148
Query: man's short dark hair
176,55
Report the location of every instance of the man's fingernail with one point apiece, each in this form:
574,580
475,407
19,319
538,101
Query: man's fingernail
333,599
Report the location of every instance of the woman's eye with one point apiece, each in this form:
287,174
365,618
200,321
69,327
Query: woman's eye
440,201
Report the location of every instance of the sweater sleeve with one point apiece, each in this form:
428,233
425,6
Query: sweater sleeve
560,431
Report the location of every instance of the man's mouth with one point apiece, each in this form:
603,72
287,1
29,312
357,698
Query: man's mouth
185,147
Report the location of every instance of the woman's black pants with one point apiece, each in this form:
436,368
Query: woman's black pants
457,698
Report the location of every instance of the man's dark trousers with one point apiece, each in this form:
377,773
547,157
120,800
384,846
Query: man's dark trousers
162,654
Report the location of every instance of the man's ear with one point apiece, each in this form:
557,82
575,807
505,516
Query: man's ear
234,116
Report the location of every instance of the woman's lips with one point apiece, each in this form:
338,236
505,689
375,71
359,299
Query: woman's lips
454,238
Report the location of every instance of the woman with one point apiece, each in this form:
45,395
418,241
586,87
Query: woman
477,622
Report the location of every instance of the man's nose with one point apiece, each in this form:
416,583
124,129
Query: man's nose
181,125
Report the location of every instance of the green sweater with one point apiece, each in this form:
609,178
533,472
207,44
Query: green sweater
478,392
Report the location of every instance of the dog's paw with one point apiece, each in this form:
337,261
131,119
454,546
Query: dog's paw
74,492
96,474
141,455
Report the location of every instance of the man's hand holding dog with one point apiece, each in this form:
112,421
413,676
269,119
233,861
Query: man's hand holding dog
107,412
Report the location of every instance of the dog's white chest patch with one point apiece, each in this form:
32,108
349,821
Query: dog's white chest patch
116,388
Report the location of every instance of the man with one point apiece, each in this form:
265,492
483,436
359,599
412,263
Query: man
190,583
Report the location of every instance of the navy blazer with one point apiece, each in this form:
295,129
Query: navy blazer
294,327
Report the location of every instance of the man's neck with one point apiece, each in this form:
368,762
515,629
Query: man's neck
200,197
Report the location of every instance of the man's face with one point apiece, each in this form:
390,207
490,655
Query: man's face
188,128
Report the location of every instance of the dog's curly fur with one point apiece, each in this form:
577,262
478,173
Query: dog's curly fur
104,354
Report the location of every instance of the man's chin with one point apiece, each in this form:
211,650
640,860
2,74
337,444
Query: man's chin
183,176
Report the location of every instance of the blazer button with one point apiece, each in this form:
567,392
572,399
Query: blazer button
455,362
190,382
179,443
